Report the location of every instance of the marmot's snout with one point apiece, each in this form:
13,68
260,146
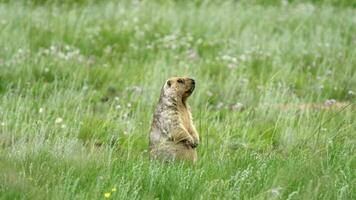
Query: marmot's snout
192,85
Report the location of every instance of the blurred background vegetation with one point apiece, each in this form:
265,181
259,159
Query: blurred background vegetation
274,102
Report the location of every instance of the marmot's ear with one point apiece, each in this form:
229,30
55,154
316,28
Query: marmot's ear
169,83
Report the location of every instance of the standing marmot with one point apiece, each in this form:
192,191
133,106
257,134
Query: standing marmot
173,135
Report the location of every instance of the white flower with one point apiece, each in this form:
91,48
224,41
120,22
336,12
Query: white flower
237,106
276,191
118,107
330,102
192,54
328,72
199,41
209,93
85,88
284,3
59,120
41,110
137,89
63,126
219,105
350,92
243,57
231,66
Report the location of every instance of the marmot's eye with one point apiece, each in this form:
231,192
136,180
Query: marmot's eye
180,81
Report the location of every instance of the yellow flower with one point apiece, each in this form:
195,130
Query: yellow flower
107,194
113,189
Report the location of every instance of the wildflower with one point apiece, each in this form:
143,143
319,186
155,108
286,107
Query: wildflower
328,72
192,54
199,41
137,89
107,194
350,92
243,57
231,66
276,191
113,189
330,102
173,46
146,26
209,93
220,105
284,3
41,110
118,107
129,105
85,88
237,106
59,120
2,123
63,126
20,50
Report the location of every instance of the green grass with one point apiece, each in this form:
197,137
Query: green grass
79,82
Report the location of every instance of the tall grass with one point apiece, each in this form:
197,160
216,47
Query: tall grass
79,82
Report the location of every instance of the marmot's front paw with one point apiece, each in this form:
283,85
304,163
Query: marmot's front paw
194,145
191,143
188,142
195,142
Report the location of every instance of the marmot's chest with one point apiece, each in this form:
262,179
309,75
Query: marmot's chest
185,120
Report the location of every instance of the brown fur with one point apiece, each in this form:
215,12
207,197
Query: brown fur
173,135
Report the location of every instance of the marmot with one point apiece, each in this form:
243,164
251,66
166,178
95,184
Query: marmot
173,135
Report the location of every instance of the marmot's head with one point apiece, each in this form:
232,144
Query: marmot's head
181,87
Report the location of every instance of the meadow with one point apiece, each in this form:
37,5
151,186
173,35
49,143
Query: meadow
79,82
